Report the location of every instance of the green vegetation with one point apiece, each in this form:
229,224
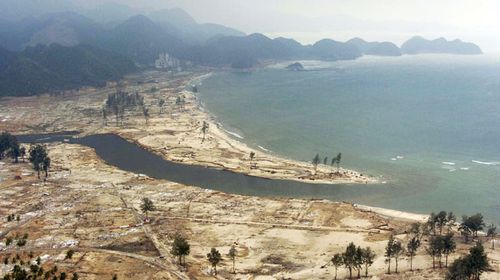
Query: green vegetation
69,254
337,261
56,68
27,269
180,101
354,258
119,101
393,250
469,267
491,233
412,248
9,147
180,248
214,258
161,103
232,255
147,205
145,113
253,165
316,160
471,225
441,220
367,258
39,159
204,129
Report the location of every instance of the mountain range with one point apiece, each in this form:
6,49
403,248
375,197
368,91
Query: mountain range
419,45
43,69
128,39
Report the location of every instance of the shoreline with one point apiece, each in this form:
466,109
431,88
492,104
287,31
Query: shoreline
224,134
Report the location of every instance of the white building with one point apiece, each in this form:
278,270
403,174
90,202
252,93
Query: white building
165,61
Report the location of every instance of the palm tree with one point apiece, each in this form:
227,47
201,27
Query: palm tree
412,248
232,254
214,258
204,129
337,261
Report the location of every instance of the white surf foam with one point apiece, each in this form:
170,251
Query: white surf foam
264,149
464,168
448,163
486,162
234,134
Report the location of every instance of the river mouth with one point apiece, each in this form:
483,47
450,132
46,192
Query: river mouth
128,156
117,151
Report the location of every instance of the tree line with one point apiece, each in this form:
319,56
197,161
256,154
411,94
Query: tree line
38,156
119,101
440,244
10,147
334,161
354,258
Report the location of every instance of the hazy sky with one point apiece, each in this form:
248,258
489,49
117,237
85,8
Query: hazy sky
311,20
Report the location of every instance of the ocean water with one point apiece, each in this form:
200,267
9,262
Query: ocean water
427,125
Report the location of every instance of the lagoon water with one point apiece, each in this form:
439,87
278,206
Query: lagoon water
429,125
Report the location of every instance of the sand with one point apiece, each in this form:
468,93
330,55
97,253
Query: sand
175,133
94,208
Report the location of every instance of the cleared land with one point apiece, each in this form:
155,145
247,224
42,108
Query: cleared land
94,209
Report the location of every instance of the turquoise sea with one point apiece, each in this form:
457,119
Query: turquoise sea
428,125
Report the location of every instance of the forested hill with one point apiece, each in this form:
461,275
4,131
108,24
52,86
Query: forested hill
50,68
418,45
67,49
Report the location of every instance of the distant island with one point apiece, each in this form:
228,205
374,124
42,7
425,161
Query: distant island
375,48
297,66
420,45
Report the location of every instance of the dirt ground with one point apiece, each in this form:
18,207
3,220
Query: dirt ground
175,132
94,209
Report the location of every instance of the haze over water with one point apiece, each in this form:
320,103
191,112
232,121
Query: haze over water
428,124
